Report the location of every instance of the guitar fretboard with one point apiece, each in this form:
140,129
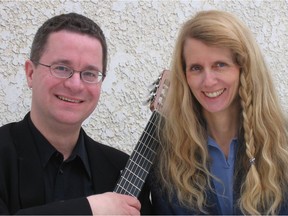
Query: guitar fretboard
138,166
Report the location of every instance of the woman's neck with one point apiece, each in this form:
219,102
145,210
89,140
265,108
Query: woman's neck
223,127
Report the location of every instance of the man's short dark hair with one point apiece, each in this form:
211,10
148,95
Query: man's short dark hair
72,22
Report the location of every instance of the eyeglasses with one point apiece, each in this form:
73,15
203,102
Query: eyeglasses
62,71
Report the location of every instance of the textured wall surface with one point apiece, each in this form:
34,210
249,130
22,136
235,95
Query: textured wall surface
141,37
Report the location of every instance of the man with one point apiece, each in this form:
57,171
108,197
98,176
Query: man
48,164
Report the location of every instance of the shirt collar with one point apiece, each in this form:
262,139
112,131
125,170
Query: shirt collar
46,150
80,150
212,142
233,147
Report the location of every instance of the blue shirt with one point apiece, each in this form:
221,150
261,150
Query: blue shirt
223,169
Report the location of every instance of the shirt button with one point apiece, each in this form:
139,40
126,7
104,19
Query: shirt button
61,171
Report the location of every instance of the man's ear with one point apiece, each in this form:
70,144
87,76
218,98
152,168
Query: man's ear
29,70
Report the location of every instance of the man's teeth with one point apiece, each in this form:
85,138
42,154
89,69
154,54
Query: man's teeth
68,100
214,94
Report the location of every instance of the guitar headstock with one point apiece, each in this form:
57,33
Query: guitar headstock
158,91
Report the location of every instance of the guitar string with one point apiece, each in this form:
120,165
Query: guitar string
146,146
134,163
136,155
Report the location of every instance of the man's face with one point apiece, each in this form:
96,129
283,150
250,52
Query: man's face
59,100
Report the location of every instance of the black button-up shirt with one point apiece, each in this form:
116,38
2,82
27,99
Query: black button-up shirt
63,179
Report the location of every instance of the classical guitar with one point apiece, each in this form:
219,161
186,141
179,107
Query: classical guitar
138,166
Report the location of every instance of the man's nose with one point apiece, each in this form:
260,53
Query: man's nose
74,81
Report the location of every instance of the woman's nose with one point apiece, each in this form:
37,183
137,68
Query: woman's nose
210,77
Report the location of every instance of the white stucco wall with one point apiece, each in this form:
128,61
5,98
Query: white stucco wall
141,37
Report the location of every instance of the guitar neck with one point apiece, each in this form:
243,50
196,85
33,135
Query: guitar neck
138,166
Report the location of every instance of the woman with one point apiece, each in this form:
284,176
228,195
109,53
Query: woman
223,142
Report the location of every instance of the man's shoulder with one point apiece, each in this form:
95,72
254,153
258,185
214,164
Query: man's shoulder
6,133
6,127
10,131
8,151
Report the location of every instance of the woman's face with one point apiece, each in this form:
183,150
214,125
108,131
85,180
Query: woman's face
212,75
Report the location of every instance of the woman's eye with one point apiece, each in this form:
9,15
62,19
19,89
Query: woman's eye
196,68
220,64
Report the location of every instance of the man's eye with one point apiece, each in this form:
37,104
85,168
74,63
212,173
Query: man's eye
90,74
61,68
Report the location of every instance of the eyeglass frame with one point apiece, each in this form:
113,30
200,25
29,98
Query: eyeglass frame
102,75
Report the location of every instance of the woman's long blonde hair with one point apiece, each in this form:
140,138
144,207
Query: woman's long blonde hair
183,161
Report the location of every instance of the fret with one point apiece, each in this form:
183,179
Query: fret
150,148
128,186
138,166
136,172
136,169
138,156
131,183
129,172
143,154
124,190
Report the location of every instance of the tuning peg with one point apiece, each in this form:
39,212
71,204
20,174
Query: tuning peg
150,97
153,84
153,90
147,101
156,82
